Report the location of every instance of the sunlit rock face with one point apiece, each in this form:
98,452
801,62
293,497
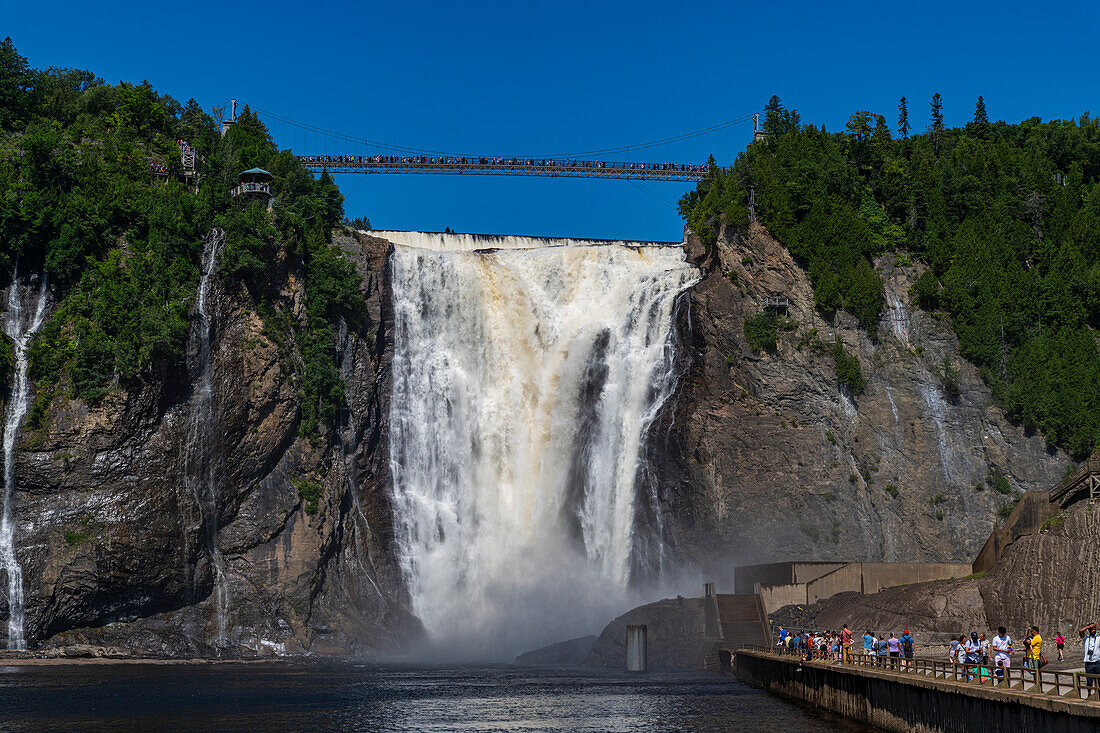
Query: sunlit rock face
526,375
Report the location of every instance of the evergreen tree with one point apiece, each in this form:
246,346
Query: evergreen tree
903,118
980,125
778,119
980,116
937,113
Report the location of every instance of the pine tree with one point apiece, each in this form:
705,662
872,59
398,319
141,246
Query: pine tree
778,119
903,118
937,112
980,126
980,117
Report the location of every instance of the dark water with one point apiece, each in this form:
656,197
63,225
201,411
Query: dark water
291,697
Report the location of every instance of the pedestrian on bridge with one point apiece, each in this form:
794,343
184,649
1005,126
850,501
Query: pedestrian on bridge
846,644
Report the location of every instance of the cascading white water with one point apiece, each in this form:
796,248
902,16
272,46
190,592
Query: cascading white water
526,373
201,448
18,402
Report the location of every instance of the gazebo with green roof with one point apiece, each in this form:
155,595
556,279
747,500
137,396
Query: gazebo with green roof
254,184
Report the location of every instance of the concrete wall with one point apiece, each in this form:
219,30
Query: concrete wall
847,578
775,596
745,577
1028,517
858,577
913,703
879,575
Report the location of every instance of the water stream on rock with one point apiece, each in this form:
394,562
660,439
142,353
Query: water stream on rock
20,333
202,447
526,373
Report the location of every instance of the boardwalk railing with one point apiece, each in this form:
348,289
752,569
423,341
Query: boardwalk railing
505,166
1071,685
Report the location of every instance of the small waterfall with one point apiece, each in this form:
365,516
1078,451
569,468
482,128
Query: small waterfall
18,403
526,375
202,446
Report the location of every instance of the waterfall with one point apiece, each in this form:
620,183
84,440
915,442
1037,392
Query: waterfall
18,402
526,374
202,444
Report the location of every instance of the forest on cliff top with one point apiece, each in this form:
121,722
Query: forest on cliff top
1005,216
92,195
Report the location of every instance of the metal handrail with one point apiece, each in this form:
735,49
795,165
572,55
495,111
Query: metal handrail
1050,683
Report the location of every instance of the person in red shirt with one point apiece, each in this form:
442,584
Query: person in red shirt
846,645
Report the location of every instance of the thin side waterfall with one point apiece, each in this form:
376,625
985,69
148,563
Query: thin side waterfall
526,374
20,333
201,458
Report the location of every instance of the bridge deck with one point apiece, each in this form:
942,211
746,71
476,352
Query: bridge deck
505,167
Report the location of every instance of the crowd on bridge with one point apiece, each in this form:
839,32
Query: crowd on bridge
423,160
976,653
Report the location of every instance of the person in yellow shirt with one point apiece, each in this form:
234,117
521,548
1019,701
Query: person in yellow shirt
1034,649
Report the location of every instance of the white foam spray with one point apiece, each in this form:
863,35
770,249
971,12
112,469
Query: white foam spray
526,373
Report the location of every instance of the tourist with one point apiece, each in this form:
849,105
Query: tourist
1002,648
907,650
1034,650
782,637
985,648
846,644
893,648
953,652
868,644
1090,643
882,648
1060,640
972,647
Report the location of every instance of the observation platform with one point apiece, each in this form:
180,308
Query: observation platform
495,166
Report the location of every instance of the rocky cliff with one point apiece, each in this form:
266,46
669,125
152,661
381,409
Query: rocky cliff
278,544
763,457
287,547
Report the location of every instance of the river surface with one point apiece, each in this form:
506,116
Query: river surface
347,697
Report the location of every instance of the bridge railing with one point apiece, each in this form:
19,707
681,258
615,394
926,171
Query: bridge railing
1069,685
520,166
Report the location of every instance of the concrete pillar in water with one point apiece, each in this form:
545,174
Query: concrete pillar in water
637,648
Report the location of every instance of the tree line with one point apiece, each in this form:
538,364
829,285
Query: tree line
1005,216
122,247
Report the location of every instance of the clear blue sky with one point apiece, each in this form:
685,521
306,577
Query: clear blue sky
524,78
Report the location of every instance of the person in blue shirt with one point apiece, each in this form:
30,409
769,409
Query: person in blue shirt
906,649
783,633
868,643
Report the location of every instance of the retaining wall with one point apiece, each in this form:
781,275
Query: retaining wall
915,704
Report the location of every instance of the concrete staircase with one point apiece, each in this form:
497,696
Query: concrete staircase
741,620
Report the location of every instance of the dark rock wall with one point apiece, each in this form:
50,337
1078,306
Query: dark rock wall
110,537
762,457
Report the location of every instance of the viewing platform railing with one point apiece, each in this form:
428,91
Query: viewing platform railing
505,166
1069,685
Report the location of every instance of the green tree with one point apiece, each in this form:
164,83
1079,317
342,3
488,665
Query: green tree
903,118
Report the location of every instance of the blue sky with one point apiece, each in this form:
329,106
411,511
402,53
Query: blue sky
523,78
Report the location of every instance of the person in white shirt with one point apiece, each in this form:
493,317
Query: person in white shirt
1002,648
1090,642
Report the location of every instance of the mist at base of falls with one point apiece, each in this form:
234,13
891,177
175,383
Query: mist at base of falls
526,373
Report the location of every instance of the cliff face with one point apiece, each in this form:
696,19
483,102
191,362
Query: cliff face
763,457
112,520
757,457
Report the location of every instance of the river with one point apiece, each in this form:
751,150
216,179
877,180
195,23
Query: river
351,697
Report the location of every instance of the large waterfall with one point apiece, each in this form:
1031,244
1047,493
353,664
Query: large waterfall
20,327
526,373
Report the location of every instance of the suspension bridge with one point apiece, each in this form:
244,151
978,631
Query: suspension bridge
388,158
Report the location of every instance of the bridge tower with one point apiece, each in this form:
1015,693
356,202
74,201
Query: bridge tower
757,133
226,124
